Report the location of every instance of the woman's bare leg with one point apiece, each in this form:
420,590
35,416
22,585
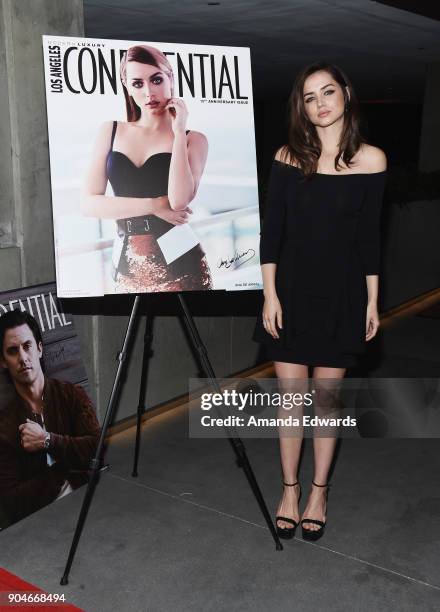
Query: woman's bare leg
292,377
323,451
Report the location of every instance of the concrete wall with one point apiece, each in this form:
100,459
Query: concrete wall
429,159
227,339
411,259
27,245
26,236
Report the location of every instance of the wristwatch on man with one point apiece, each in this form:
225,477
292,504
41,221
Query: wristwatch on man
46,442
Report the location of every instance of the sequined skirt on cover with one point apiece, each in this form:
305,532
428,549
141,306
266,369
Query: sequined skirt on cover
143,268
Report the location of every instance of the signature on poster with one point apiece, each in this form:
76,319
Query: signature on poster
247,255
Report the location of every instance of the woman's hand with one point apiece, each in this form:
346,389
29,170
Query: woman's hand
164,211
179,114
272,315
372,322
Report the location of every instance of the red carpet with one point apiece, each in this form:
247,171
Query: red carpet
13,585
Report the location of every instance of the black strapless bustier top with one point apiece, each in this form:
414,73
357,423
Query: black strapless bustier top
147,181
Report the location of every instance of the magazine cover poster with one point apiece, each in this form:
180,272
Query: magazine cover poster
153,170
62,356
27,480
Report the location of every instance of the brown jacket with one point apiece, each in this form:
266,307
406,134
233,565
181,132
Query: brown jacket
27,483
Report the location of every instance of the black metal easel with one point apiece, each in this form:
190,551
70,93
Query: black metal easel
95,465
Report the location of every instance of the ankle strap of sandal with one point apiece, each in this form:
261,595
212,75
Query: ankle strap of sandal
286,484
317,485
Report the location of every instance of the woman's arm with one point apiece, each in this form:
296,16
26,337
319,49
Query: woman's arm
368,229
272,312
188,158
95,204
368,238
270,243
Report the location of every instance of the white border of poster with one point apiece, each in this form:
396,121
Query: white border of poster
83,92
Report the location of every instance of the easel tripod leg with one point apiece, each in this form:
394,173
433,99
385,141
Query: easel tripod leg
93,481
144,375
234,439
96,462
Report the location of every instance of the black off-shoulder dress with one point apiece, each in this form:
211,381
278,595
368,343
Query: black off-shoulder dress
323,233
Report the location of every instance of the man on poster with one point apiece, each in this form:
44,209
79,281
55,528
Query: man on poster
48,432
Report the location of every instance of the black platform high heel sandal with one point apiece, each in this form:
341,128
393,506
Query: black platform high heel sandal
287,533
309,534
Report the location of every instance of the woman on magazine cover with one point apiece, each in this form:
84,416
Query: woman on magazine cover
319,252
154,165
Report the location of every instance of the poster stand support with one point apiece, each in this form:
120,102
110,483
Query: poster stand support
95,464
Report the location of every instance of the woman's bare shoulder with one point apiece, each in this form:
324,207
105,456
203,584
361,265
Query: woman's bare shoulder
107,126
284,156
372,159
103,137
195,137
105,130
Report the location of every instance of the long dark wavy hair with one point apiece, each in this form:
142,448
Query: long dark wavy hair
304,145
144,55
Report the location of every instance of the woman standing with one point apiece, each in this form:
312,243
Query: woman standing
154,166
319,255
